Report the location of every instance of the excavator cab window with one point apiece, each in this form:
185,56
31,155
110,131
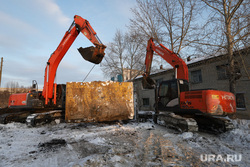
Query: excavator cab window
163,89
168,94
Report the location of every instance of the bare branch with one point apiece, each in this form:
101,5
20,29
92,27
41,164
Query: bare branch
241,37
235,9
208,4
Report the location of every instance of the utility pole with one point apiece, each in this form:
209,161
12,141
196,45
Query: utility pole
1,69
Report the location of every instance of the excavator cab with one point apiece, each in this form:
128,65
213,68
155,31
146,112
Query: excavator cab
93,54
169,93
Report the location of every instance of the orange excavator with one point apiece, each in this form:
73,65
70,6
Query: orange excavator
176,105
53,96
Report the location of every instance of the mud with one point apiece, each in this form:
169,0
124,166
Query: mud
52,145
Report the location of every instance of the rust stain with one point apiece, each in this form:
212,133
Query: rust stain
99,101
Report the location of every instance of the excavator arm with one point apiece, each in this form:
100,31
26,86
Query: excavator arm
180,67
92,54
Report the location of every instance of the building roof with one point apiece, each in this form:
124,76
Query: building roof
194,62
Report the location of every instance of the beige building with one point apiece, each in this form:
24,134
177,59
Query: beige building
129,74
205,73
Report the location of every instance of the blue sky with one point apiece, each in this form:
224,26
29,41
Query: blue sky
32,29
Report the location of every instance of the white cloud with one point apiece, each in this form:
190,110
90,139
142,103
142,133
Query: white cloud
15,24
15,33
51,9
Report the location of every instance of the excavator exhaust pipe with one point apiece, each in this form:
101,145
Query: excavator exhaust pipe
93,54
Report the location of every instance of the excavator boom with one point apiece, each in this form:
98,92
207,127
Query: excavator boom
49,96
180,67
92,54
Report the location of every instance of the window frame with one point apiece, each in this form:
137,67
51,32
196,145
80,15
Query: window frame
222,72
243,107
148,102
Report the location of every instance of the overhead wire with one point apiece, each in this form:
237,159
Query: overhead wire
89,73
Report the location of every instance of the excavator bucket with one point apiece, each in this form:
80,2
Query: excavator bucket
92,54
148,83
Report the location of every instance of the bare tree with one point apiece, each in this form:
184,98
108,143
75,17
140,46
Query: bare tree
169,22
231,20
124,55
115,57
135,50
12,86
145,21
178,20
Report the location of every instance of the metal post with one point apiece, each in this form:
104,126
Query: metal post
175,75
1,69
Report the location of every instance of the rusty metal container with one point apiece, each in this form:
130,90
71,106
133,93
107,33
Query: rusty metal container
99,101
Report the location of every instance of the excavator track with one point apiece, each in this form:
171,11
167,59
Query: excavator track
189,123
212,124
13,115
30,116
45,117
178,122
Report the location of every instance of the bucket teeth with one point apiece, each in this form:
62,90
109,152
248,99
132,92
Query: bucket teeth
92,54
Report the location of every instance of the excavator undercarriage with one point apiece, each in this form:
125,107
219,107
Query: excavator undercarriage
30,116
188,123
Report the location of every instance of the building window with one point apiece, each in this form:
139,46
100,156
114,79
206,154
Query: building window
145,102
240,101
196,76
222,72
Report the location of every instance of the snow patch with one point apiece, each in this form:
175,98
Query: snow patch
187,135
146,112
19,144
115,158
146,125
97,141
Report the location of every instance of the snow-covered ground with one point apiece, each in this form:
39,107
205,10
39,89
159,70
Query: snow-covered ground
131,144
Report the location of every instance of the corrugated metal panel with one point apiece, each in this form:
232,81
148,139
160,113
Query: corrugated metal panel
99,101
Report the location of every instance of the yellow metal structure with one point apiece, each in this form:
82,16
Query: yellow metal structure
99,101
